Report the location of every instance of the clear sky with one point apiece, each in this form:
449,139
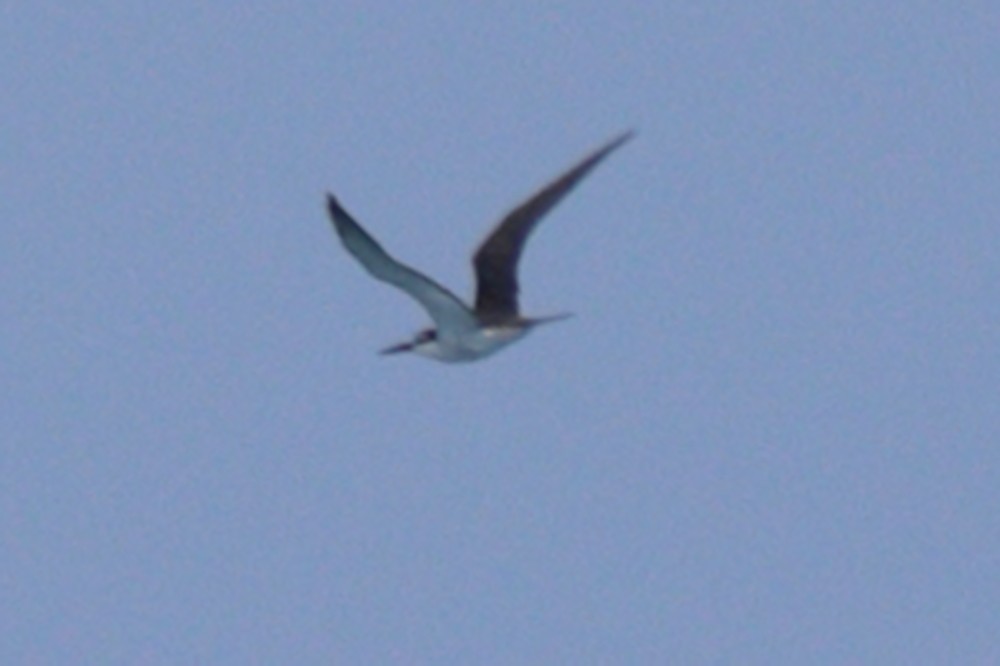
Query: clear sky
771,434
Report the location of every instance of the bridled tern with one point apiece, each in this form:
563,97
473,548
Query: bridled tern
462,333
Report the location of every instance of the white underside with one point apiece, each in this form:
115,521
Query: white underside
480,344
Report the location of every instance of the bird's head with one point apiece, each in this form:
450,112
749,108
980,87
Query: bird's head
420,340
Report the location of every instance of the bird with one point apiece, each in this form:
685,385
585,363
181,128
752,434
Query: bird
462,333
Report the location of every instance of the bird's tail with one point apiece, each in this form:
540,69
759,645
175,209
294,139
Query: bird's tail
548,319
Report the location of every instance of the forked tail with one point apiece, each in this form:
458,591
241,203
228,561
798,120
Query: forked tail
548,319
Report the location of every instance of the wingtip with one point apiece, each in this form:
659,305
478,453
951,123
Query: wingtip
610,146
338,215
332,203
622,138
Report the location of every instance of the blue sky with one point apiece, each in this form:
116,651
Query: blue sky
769,436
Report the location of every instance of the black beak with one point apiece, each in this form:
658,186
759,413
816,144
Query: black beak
395,349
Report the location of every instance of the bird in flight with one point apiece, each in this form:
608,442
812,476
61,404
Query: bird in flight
462,333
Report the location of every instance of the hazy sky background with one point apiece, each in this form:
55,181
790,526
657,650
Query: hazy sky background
771,435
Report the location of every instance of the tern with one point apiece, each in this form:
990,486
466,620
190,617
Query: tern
462,333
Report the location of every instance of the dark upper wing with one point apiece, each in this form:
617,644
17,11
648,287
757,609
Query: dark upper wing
447,311
496,259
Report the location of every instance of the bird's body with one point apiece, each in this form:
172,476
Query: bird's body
463,333
479,344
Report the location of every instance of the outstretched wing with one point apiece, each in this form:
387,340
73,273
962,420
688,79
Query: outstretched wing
449,313
496,259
